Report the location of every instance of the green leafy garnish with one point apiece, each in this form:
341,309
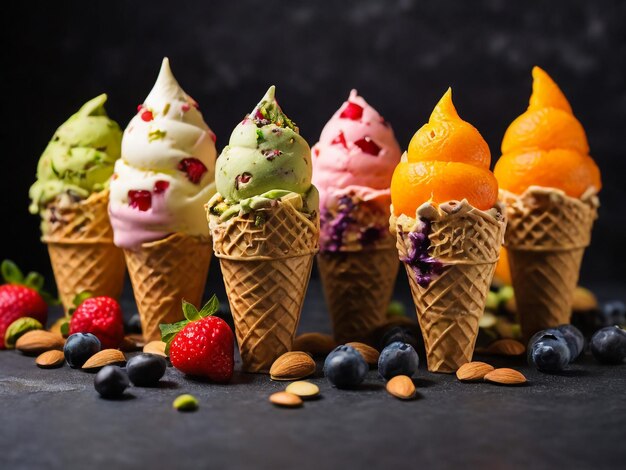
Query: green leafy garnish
13,275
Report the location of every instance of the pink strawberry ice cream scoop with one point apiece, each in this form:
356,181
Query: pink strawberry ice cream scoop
353,163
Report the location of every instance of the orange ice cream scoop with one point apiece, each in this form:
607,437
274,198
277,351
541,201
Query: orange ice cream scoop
546,146
447,160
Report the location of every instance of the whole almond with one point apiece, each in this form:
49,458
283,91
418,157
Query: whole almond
369,353
155,347
401,386
506,347
584,300
505,376
473,371
37,341
50,359
286,399
104,358
317,344
292,365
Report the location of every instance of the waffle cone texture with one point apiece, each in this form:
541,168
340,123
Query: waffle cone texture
80,244
165,272
463,247
358,283
546,237
266,258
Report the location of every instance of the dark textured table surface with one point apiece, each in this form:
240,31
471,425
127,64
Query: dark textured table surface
55,419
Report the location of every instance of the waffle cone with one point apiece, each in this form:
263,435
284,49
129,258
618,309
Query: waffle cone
81,249
165,272
545,240
266,269
358,286
466,241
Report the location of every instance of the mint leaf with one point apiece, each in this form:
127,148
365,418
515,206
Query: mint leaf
169,331
190,311
211,307
11,273
80,298
34,281
49,299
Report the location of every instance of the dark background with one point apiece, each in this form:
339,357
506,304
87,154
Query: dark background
400,55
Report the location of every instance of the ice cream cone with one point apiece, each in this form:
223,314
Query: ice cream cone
266,259
82,253
462,250
165,272
546,239
358,286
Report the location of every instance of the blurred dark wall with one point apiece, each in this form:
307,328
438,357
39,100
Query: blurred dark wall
400,55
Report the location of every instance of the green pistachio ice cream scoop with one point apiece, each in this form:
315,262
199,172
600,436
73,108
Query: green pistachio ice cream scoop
265,153
80,157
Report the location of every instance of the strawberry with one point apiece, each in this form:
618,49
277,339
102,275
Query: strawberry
201,345
20,297
100,316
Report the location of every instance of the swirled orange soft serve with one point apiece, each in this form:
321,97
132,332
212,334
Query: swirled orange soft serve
546,146
447,160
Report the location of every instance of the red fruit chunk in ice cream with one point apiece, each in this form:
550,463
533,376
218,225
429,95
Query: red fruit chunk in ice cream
368,146
147,116
340,140
140,199
160,186
194,169
353,111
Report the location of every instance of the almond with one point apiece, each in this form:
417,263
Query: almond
286,399
369,353
401,386
317,344
506,347
584,300
155,347
57,326
505,376
473,371
303,388
37,341
104,358
50,359
292,366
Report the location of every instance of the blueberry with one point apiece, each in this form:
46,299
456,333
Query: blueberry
613,313
575,340
145,370
397,359
608,345
111,382
397,333
133,325
79,347
344,367
549,353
